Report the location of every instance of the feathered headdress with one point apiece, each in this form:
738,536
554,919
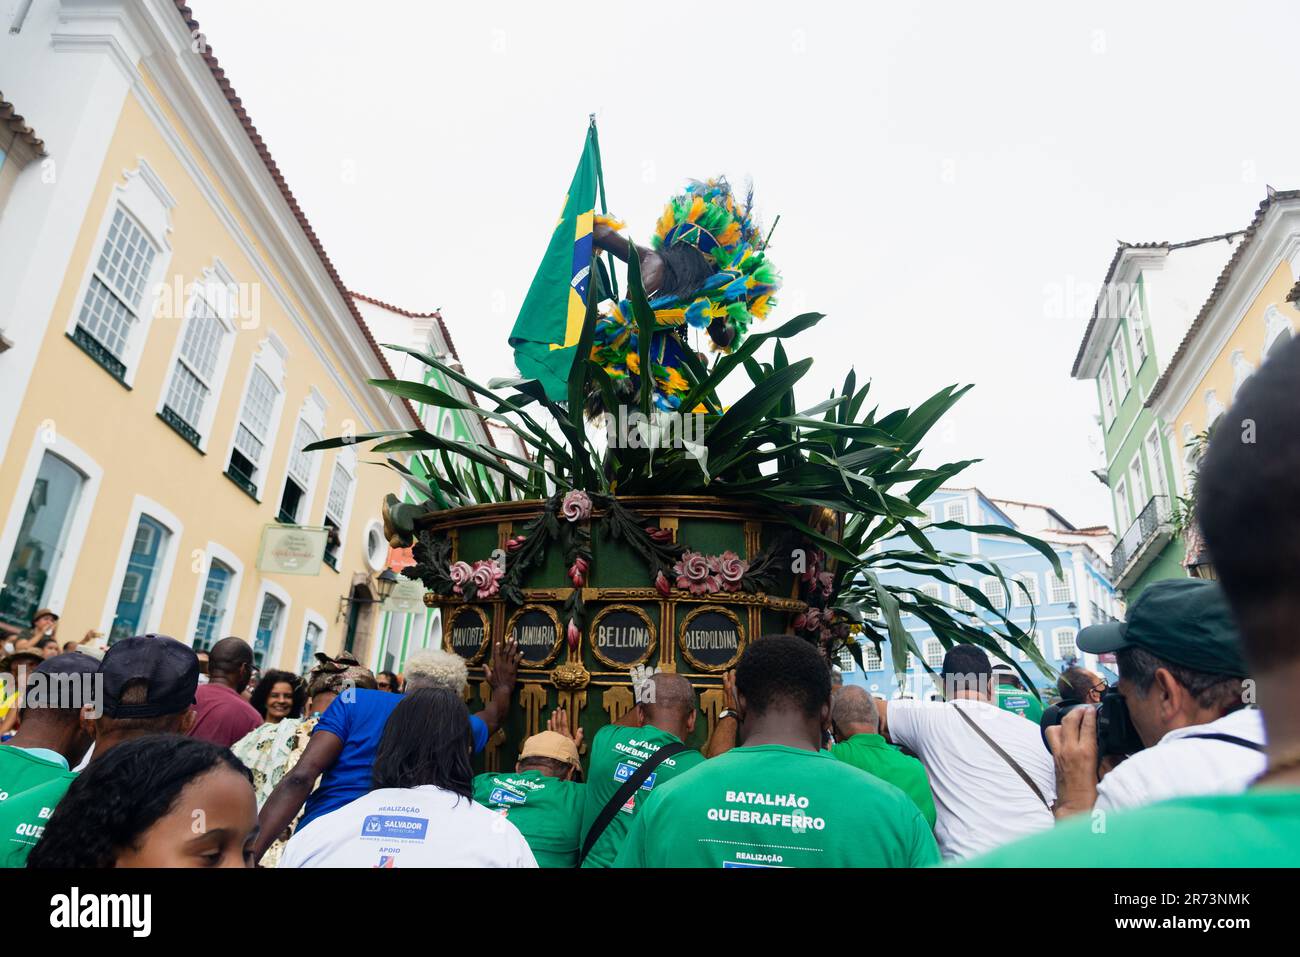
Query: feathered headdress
715,277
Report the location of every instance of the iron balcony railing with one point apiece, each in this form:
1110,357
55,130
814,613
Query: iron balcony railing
1154,514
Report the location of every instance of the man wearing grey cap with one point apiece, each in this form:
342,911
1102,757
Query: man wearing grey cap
1183,681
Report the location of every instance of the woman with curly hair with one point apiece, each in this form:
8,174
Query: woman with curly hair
279,695
163,800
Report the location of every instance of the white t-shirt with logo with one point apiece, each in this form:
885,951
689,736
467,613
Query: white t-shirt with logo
980,802
409,827
1181,765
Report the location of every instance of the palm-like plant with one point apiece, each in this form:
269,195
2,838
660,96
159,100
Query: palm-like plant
839,457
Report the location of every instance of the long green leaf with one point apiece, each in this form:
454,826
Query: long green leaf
752,406
645,326
724,366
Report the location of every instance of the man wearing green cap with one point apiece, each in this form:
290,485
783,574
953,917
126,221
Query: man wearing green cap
1181,674
1248,487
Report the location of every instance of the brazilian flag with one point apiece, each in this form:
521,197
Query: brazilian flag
546,334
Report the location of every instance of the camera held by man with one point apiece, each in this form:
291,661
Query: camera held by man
1177,723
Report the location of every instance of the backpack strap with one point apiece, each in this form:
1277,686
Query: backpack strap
1015,765
628,788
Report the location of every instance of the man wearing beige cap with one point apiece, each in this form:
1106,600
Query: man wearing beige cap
542,798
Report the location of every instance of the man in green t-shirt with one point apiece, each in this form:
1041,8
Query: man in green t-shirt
51,738
541,797
1246,493
144,685
778,800
855,723
1012,696
664,714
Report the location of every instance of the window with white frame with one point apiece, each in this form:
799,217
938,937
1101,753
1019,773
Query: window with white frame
955,511
1121,364
931,589
846,662
1242,369
1136,324
994,592
312,642
213,606
394,639
1137,482
1122,507
1155,462
1038,643
1213,408
113,304
1028,595
930,515
1278,329
336,508
140,581
253,434
194,379
1063,640
933,650
1107,397
269,622
1062,587
871,657
296,484
961,600
42,538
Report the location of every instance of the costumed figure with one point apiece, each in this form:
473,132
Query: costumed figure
707,269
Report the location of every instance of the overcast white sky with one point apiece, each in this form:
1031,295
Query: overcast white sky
946,173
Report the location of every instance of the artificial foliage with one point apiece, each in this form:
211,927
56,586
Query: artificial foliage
843,476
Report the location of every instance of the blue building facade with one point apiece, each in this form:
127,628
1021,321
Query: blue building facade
1054,610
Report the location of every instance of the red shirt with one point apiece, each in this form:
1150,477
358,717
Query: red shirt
223,716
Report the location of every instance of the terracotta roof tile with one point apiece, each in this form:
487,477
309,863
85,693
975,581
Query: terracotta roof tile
1110,273
255,138
12,121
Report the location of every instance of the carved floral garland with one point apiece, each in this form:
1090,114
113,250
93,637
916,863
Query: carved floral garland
566,519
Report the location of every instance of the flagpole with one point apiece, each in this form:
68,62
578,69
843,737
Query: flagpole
604,209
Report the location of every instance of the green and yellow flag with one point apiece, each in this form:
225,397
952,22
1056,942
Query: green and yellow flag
546,333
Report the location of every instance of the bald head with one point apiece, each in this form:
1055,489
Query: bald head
668,703
672,695
230,661
853,711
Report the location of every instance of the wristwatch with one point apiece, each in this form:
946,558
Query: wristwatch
727,713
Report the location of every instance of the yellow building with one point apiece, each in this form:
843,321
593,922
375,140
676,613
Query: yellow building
1251,310
173,335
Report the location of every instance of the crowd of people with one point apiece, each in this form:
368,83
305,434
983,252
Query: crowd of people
1192,758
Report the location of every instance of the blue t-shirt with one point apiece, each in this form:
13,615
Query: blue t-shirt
358,721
